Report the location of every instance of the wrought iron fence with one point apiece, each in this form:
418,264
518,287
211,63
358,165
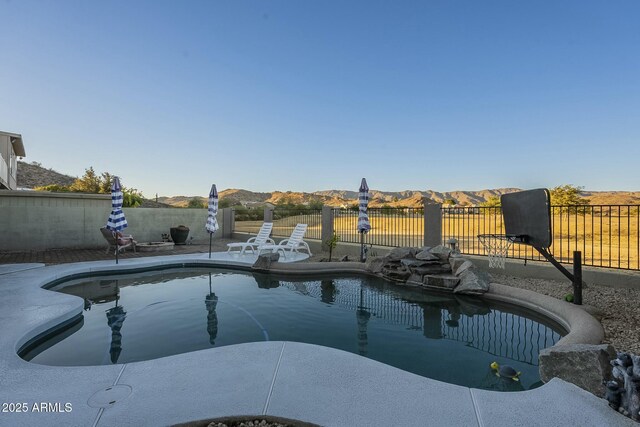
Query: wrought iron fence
247,220
607,235
285,220
389,226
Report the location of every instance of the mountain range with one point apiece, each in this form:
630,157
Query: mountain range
32,175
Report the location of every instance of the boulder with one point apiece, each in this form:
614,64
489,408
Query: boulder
415,280
417,262
264,261
462,267
473,282
441,252
430,269
426,255
440,281
456,261
400,253
398,273
585,365
375,264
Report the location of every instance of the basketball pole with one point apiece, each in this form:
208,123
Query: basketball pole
577,269
577,277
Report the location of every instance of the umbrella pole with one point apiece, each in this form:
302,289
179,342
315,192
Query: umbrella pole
210,236
115,236
361,247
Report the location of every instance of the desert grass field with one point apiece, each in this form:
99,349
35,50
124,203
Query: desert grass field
606,238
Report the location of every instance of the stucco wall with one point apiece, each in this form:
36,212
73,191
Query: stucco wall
40,220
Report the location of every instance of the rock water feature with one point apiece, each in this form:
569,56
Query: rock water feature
623,392
433,268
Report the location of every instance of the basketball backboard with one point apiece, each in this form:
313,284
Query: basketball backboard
527,215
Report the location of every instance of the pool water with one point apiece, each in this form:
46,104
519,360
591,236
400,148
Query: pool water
148,315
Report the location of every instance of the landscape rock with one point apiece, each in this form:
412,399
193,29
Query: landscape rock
396,272
462,267
264,261
473,282
375,264
441,252
426,255
584,365
430,269
399,253
441,281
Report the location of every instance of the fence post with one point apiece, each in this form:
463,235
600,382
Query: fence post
268,214
327,226
228,219
432,222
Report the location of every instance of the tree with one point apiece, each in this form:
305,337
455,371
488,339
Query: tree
225,203
449,202
567,195
316,204
567,198
196,203
91,183
491,202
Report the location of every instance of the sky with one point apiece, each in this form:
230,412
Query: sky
173,96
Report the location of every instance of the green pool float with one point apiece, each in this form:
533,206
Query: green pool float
505,371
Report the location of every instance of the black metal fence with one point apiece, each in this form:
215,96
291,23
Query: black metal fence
607,235
285,220
389,226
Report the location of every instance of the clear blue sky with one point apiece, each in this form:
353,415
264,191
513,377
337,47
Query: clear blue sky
314,95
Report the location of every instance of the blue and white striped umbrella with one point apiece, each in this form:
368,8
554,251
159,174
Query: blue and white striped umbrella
363,202
117,221
212,222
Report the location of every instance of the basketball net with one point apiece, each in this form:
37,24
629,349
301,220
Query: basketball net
497,246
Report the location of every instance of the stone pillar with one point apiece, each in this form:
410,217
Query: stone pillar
268,214
432,222
327,226
228,219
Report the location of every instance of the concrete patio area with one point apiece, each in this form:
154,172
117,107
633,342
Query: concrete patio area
287,379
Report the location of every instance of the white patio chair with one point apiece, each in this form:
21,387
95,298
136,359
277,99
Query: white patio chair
254,242
292,244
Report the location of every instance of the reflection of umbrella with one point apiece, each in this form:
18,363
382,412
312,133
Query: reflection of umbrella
116,221
211,301
327,291
363,219
115,319
212,222
363,319
432,316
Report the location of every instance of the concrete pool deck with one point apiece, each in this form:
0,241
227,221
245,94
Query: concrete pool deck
286,379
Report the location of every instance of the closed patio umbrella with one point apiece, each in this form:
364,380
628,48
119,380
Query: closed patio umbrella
117,221
363,219
212,222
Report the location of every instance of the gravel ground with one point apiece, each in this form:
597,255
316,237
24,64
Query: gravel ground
620,308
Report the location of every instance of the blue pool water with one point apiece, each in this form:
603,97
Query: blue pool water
153,314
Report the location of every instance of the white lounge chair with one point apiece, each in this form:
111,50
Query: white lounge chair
292,244
254,242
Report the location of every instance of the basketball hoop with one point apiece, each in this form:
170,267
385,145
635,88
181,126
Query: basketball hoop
497,247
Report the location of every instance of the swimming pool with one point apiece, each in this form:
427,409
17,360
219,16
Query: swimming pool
148,315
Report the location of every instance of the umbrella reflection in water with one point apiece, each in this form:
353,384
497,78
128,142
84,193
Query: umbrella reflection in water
211,301
363,317
115,319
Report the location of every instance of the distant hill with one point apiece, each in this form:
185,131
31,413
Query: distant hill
32,175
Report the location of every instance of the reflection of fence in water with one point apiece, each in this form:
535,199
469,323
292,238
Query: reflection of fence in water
501,334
